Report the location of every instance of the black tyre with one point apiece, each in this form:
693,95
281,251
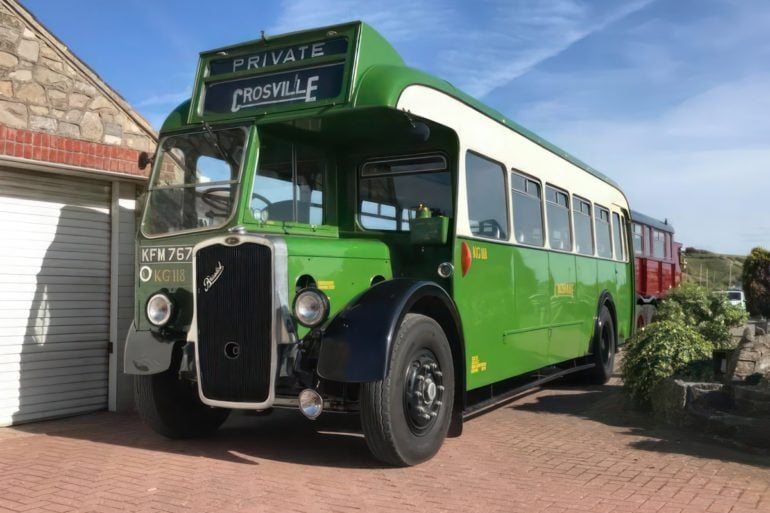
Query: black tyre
405,417
172,408
603,352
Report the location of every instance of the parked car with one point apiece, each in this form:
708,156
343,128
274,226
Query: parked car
734,296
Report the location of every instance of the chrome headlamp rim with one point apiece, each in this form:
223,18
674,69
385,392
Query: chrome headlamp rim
323,301
169,306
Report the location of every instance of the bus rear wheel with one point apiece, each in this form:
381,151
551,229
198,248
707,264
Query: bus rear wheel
171,407
604,346
405,417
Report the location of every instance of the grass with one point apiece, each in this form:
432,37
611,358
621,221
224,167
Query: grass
713,270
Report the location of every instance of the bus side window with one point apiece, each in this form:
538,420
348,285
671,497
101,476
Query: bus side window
487,202
638,234
657,244
527,210
559,234
624,235
391,188
617,237
584,233
603,237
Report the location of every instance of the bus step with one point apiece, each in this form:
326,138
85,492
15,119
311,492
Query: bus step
511,389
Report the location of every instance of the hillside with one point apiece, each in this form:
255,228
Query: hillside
713,270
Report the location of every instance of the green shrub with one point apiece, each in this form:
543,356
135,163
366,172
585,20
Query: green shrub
658,351
711,315
756,282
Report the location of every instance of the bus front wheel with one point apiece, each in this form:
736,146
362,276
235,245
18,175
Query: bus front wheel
405,417
172,408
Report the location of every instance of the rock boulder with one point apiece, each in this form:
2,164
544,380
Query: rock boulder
751,359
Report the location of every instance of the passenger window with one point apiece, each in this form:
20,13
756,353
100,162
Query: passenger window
485,184
657,244
559,233
624,235
527,210
617,237
584,233
603,237
638,231
647,241
390,190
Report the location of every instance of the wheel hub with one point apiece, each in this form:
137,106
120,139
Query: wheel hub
423,392
430,390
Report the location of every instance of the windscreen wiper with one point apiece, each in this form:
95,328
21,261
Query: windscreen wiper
214,140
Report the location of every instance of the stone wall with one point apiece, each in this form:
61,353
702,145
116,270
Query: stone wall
45,88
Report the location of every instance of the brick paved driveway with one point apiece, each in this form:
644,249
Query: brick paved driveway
556,450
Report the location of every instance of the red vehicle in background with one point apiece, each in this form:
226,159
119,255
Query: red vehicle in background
657,263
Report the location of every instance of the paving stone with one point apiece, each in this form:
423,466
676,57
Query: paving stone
558,449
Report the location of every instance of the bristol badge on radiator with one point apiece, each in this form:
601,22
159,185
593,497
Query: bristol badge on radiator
212,278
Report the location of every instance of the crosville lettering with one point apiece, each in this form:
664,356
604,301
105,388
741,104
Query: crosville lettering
276,92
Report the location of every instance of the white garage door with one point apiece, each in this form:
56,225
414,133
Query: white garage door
54,295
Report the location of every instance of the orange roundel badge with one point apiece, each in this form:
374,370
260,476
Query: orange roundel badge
465,258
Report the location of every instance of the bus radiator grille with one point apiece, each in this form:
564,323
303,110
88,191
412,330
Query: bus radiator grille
234,321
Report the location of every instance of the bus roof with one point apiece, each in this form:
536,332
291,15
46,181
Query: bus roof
374,76
640,218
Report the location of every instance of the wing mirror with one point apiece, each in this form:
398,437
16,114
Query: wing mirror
144,160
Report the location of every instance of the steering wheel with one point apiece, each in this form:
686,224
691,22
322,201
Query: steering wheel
491,228
214,199
261,198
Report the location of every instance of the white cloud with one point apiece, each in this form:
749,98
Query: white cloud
397,20
736,111
676,111
477,53
521,35
704,164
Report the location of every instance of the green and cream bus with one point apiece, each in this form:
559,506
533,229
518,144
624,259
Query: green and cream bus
330,230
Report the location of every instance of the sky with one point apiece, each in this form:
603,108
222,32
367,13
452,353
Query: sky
670,98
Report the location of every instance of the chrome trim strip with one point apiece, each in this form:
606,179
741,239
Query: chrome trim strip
285,332
280,294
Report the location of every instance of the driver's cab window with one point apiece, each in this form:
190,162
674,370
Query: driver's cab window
487,203
211,169
289,182
391,191
195,182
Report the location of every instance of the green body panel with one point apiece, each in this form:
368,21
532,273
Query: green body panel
341,268
527,308
624,300
504,332
569,323
179,287
587,293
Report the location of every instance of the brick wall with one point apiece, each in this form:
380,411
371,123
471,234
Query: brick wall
63,150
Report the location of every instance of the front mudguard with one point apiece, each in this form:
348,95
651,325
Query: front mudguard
356,344
146,353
